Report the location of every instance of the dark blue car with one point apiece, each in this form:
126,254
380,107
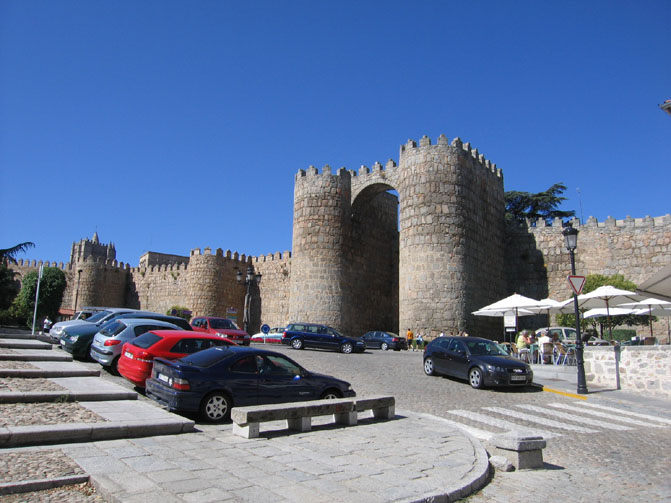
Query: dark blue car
215,380
384,341
314,335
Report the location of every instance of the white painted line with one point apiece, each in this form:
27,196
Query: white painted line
475,432
539,419
628,413
575,418
500,423
606,415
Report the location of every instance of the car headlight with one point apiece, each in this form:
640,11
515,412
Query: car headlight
495,368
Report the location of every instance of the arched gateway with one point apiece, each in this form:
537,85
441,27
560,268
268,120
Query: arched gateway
360,263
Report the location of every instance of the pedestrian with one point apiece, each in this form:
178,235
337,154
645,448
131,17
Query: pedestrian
409,337
420,341
47,325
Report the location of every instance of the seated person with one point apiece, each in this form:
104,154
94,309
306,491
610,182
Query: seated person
523,340
544,338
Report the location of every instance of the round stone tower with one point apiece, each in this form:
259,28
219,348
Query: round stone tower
322,221
451,223
205,294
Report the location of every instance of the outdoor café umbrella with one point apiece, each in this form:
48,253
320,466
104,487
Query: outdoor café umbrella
607,296
601,312
512,304
660,308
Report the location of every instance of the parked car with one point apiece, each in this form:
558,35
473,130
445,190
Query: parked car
221,326
215,380
58,329
567,335
273,336
77,339
480,361
175,320
385,340
313,335
87,311
107,344
137,356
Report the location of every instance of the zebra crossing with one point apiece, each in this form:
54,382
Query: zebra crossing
553,419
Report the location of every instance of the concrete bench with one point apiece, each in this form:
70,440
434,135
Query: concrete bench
247,420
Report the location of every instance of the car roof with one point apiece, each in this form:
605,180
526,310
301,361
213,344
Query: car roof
139,321
174,334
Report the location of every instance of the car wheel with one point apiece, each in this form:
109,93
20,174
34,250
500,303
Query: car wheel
115,366
384,346
216,407
297,344
331,394
428,367
475,378
346,348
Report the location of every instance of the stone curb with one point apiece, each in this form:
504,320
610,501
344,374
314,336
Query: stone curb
21,436
28,344
479,474
27,357
36,373
26,486
36,337
59,396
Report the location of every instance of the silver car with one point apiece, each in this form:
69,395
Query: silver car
107,344
58,329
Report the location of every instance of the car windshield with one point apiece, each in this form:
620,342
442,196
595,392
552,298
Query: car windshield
146,340
112,328
99,316
570,334
206,358
482,348
223,324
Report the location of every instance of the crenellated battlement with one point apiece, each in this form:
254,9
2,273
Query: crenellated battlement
326,171
592,222
457,145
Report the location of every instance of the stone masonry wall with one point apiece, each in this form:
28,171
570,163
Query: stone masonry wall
638,368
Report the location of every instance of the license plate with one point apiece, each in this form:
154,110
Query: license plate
162,377
128,354
518,378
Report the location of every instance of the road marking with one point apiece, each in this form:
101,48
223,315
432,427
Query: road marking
475,432
607,415
542,420
564,393
574,418
627,412
500,423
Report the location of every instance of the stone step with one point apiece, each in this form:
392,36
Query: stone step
24,344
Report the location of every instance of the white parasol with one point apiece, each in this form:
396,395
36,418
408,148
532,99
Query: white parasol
607,296
652,306
516,304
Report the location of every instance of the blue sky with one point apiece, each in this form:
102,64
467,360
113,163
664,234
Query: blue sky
171,125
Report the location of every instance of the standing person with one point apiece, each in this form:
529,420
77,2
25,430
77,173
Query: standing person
47,325
420,341
409,336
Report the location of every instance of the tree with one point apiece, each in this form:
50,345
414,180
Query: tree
9,254
592,282
52,286
523,205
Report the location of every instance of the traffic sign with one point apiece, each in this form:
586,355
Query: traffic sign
265,328
577,283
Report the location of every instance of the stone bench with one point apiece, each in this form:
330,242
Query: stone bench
298,415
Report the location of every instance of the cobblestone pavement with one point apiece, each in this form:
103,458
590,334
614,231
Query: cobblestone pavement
22,414
41,464
599,465
19,384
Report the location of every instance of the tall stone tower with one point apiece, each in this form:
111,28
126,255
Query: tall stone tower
321,237
442,252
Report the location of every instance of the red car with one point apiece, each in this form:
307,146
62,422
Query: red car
221,326
137,357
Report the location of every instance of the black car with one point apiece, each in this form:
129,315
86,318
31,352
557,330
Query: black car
481,361
215,380
384,341
313,335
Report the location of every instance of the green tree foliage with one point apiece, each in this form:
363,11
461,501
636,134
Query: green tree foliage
592,282
524,205
52,286
9,254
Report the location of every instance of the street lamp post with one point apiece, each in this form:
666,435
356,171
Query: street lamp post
79,275
250,279
571,241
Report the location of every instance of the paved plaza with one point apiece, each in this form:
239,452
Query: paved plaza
613,446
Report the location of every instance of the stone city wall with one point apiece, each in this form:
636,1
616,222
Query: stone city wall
645,369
